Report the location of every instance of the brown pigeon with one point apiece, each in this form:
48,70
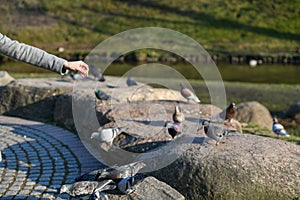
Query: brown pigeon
178,115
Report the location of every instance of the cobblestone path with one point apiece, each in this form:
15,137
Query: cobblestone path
38,158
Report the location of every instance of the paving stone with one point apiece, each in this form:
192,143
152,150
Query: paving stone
20,196
16,186
32,198
6,198
40,188
47,196
3,186
11,193
24,192
36,193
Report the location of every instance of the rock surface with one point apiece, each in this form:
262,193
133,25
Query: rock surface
5,78
148,189
254,113
244,167
32,98
50,99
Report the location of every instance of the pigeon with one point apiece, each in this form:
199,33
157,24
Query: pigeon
107,135
174,129
0,156
83,188
178,115
278,129
125,185
91,176
76,76
103,96
228,114
96,73
131,82
98,196
123,171
215,131
188,94
114,173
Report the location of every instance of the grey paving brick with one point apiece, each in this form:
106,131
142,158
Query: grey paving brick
28,187
36,193
11,193
32,198
16,187
40,188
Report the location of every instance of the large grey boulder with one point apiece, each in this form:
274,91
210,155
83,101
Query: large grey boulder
150,189
55,99
32,98
244,167
254,113
5,78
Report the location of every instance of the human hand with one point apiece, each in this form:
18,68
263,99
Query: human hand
79,66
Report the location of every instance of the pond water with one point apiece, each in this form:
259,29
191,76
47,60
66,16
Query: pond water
289,74
272,73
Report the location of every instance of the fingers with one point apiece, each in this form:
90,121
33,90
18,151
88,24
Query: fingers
83,69
78,66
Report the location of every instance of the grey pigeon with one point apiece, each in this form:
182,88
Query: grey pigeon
90,176
83,188
114,173
107,135
98,195
174,129
96,73
215,131
188,94
178,115
76,76
103,96
131,82
125,185
123,171
278,128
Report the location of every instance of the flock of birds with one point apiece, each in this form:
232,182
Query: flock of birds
215,128
92,185
122,178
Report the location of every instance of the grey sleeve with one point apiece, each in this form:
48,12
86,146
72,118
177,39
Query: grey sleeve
31,55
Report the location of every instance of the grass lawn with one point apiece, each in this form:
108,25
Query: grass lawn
220,26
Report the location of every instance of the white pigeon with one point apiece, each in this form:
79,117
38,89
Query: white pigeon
107,135
278,129
188,94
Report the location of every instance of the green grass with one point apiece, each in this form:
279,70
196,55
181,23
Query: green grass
256,130
230,26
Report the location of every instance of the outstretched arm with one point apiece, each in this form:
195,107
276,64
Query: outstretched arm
39,58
